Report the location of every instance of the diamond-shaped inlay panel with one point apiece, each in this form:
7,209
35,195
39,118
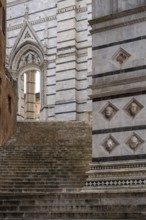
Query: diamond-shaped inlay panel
121,56
133,107
134,141
110,143
109,111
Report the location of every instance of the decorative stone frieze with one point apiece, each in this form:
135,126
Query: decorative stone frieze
29,58
48,18
116,175
114,183
63,10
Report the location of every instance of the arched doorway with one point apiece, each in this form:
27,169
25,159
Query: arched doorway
29,68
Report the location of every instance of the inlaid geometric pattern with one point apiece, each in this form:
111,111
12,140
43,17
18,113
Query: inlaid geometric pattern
110,143
109,111
124,182
134,141
121,56
133,107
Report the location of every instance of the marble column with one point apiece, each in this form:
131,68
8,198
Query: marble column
30,95
21,98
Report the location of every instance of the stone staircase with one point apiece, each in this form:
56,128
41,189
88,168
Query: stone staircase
43,172
46,157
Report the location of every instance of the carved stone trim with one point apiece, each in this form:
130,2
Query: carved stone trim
63,10
116,174
29,58
38,21
49,18
96,167
115,182
15,59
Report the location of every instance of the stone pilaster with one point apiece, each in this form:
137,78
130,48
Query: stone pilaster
66,69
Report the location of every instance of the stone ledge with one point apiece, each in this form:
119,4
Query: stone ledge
118,20
117,15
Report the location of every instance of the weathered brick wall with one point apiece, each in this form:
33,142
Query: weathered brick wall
2,33
8,109
8,97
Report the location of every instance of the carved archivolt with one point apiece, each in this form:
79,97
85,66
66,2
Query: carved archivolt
26,54
29,58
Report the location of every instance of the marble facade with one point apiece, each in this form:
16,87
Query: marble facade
118,96
53,37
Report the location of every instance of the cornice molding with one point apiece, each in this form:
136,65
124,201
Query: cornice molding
110,27
117,15
123,86
38,21
71,8
118,82
63,10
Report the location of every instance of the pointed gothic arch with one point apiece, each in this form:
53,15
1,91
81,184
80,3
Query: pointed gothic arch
28,56
23,50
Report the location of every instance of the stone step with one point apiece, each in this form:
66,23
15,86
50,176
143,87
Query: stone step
71,215
39,190
69,208
43,169
41,185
